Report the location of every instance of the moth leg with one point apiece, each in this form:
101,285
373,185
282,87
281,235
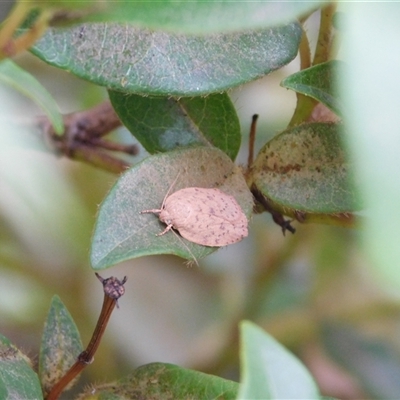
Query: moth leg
153,211
168,228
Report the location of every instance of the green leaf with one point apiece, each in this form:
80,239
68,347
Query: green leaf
374,362
162,124
122,233
165,381
11,74
372,117
320,83
306,168
201,17
17,378
61,345
125,58
269,371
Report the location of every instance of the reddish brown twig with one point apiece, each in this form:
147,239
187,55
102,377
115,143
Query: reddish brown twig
113,290
276,216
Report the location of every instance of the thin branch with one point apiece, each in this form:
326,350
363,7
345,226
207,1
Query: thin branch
276,216
252,138
113,289
305,104
95,122
325,35
82,138
28,38
113,146
9,26
304,50
99,159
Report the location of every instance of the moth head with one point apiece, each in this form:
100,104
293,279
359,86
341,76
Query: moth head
165,216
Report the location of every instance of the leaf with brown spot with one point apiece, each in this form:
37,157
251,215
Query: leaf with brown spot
306,170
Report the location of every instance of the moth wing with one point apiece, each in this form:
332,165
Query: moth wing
208,217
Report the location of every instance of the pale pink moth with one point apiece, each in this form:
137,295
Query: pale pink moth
204,216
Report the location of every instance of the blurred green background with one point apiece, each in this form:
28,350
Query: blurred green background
314,291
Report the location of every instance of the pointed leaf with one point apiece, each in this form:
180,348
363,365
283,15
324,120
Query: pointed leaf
319,82
61,345
306,168
162,124
11,74
134,60
17,378
122,233
269,371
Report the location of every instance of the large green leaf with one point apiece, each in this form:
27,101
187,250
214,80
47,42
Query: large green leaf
320,83
11,74
197,16
160,381
18,380
372,117
162,124
61,344
307,169
269,371
122,57
122,233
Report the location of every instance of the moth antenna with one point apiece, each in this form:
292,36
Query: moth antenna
169,190
187,248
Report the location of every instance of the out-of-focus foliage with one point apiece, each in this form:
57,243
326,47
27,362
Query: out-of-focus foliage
314,292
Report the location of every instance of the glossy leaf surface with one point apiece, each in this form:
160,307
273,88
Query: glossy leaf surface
320,83
162,124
